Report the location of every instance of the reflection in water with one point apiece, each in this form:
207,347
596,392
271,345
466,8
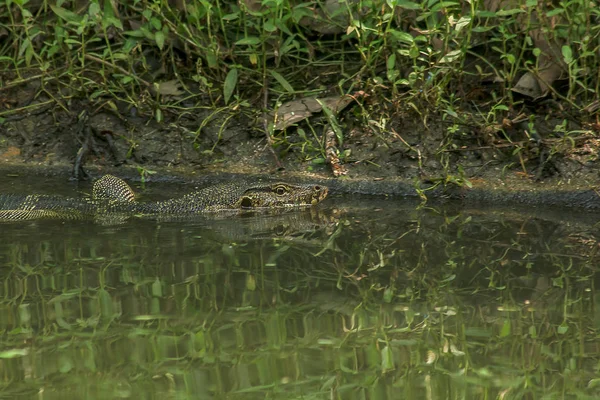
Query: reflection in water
380,300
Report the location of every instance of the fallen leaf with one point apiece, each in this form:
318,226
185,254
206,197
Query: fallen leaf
300,109
332,17
11,153
253,5
551,64
168,88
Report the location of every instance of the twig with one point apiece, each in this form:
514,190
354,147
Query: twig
16,83
515,144
28,111
123,71
266,123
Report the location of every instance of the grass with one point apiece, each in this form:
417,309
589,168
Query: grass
454,62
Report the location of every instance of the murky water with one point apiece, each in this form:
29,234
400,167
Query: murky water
358,299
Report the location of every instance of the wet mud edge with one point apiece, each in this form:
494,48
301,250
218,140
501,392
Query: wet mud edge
487,194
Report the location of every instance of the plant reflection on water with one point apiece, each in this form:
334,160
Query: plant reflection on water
372,299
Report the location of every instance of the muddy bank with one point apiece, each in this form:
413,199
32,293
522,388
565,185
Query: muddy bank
201,149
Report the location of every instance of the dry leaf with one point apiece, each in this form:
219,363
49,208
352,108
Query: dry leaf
254,5
551,63
431,357
168,88
297,110
332,17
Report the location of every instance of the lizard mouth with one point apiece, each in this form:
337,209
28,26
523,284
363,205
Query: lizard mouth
321,193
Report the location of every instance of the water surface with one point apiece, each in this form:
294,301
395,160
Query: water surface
360,298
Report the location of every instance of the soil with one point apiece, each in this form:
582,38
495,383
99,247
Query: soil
546,169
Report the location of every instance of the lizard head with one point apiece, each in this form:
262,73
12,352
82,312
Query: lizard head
281,194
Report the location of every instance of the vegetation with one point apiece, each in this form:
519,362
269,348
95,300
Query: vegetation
473,73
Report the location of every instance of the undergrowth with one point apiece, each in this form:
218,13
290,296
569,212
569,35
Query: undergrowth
473,65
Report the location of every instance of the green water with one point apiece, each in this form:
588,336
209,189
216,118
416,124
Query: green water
358,299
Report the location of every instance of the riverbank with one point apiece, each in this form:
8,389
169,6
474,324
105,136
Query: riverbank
496,102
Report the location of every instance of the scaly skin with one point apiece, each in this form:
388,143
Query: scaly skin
111,195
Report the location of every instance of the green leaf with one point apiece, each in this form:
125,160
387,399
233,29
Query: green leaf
137,33
594,383
391,62
408,5
231,17
148,34
251,283
507,13
567,54
284,83
563,328
230,84
554,12
392,72
402,37
128,46
157,288
505,328
200,340
106,304
282,27
510,58
211,58
451,56
532,332
65,364
387,359
269,26
109,18
14,353
558,282
155,22
67,15
462,22
93,9
250,41
485,14
24,45
112,21
159,37
388,294
414,51
301,11
480,29
28,55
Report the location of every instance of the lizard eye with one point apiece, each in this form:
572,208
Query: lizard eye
246,202
280,190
